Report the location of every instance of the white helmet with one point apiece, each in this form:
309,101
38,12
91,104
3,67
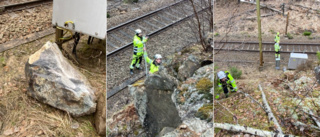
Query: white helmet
221,74
138,31
157,56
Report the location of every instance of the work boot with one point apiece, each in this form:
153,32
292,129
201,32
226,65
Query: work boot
131,71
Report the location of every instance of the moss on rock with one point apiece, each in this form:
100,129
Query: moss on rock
204,85
204,112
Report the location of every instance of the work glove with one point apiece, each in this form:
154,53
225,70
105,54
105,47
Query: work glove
234,90
217,96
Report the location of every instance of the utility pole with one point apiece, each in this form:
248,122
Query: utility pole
259,31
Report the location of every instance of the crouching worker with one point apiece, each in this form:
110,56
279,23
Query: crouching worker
226,80
154,64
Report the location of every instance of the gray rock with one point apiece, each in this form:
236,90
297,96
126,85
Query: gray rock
161,111
52,80
208,133
161,81
317,73
140,101
153,102
188,67
174,133
197,125
164,131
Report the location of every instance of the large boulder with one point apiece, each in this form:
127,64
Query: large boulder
100,115
153,102
188,67
52,80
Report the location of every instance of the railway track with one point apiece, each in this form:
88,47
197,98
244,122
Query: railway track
309,48
23,5
120,37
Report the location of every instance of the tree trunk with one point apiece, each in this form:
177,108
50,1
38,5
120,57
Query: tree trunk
269,111
249,130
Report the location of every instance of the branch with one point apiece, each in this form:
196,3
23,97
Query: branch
300,124
269,111
247,95
228,29
199,25
249,130
309,112
233,115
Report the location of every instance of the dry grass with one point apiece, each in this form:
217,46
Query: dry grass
308,65
25,116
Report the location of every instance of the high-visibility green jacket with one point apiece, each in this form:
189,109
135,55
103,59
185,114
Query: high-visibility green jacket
153,67
230,81
138,45
276,47
277,39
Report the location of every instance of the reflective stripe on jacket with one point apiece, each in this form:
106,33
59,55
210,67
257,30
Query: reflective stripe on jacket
277,39
153,67
276,47
230,81
138,45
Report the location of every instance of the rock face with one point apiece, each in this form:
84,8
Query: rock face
52,80
189,99
154,104
164,131
188,67
193,100
100,116
140,100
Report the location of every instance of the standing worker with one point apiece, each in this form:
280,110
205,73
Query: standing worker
226,80
138,41
277,48
277,38
154,64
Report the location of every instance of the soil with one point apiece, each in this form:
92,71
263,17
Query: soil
25,116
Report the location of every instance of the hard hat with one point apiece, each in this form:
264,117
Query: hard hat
138,31
157,56
278,33
221,74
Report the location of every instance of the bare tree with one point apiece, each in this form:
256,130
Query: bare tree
201,20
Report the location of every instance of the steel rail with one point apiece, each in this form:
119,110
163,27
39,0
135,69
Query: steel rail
143,16
303,47
123,85
267,43
156,32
